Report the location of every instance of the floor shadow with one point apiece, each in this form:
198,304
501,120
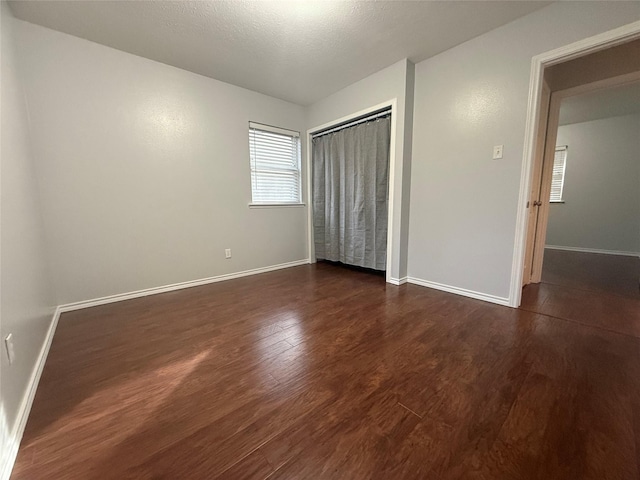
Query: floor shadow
354,268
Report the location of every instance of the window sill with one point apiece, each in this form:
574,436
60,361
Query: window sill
275,205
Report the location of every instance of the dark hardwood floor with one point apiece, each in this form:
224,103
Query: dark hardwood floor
319,372
593,289
614,274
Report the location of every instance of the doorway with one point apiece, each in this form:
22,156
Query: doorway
559,75
593,226
581,261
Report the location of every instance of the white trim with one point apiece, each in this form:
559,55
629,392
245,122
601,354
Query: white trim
595,43
391,241
272,129
8,455
311,248
275,205
176,286
593,250
538,63
385,112
460,291
353,116
10,451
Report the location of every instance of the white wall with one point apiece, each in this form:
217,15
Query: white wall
467,99
394,82
144,169
27,302
601,188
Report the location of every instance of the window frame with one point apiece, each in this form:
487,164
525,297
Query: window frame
565,149
254,171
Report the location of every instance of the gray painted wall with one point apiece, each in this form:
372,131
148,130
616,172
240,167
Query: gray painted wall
144,169
602,186
468,99
26,298
394,82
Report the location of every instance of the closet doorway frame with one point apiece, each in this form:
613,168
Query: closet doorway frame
393,243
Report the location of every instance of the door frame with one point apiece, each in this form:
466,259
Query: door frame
581,48
392,242
541,182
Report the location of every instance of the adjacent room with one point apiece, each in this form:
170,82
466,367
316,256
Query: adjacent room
582,261
593,235
288,239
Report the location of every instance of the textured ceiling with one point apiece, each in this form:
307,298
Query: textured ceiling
613,102
299,51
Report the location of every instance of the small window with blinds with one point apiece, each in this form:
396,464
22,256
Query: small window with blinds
275,165
557,180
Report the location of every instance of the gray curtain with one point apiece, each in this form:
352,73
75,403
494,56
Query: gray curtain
350,194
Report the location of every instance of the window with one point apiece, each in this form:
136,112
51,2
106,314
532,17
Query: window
275,165
557,180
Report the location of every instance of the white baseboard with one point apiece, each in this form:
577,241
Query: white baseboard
10,451
593,250
460,291
397,281
175,286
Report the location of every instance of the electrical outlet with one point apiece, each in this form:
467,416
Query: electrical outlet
227,253
8,343
497,152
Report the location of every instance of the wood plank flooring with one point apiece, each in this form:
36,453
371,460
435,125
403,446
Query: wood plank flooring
593,289
319,372
613,274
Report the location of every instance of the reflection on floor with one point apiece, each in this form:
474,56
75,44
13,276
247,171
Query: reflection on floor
321,372
588,288
615,274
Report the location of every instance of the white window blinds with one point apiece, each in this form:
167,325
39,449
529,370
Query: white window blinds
275,165
557,180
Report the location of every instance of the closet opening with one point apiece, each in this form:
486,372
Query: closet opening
349,191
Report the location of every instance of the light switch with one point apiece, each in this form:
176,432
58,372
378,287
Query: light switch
497,152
